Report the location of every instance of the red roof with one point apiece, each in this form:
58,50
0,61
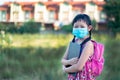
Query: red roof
56,3
26,3
7,3
99,2
84,2
52,8
78,2
27,8
78,8
4,7
21,3
51,3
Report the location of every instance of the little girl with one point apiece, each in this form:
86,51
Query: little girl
81,30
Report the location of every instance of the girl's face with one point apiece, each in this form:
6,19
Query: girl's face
82,24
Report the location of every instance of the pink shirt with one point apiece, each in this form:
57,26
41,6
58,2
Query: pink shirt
85,73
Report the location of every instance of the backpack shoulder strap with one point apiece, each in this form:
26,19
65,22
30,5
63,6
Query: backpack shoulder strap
86,40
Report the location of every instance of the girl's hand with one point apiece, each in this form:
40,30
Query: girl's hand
73,61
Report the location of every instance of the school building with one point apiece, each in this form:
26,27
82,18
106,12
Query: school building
51,11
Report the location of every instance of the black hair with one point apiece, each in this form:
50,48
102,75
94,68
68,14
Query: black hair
83,17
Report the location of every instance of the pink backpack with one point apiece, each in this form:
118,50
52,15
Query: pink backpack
97,60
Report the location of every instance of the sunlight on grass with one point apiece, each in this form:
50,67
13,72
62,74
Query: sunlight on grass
37,40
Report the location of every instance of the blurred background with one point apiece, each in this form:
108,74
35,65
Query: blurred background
34,35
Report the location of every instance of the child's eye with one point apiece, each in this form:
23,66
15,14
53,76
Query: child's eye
76,26
82,26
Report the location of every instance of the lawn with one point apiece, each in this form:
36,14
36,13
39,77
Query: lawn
37,56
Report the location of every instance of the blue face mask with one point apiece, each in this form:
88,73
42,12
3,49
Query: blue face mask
80,32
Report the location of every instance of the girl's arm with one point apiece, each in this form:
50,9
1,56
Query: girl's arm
86,53
66,62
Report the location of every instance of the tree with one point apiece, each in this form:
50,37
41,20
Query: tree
112,10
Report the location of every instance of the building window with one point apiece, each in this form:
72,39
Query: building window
15,16
27,15
3,16
40,13
65,16
102,17
51,15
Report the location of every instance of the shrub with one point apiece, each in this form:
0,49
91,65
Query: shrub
30,27
3,27
10,28
67,28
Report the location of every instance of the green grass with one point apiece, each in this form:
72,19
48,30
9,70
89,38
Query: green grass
33,56
37,57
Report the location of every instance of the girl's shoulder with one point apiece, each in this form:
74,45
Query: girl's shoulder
90,46
89,43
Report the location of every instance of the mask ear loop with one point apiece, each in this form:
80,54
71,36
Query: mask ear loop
90,33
